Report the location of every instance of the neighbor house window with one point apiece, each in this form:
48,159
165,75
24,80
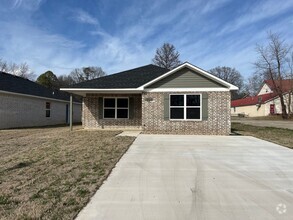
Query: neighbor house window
48,109
185,107
116,108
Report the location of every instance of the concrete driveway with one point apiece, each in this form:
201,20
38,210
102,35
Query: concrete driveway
168,177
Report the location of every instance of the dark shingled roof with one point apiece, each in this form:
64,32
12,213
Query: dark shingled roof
133,78
16,84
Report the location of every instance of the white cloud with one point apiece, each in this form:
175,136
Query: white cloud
113,55
26,4
84,17
41,50
260,11
210,6
17,3
137,36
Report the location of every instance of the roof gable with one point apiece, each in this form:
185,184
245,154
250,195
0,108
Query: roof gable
186,78
264,89
195,69
287,84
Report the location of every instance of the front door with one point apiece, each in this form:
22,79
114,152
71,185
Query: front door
272,109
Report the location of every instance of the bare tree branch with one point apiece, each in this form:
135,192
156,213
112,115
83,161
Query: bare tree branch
232,76
21,70
272,64
167,56
86,73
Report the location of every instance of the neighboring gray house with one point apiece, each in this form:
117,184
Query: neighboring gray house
185,100
24,103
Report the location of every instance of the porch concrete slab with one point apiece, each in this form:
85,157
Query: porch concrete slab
134,133
197,177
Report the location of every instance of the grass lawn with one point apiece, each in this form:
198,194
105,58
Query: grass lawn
269,118
50,173
276,135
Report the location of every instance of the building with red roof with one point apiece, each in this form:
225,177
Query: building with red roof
266,102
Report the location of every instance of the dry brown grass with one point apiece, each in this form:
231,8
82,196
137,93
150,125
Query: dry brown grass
265,118
276,135
50,173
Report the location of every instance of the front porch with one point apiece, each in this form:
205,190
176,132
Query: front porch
112,111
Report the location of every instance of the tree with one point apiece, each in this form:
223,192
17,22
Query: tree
230,75
3,66
21,70
49,80
290,76
272,64
253,84
65,81
86,73
167,56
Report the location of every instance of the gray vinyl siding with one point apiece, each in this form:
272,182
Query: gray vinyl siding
186,78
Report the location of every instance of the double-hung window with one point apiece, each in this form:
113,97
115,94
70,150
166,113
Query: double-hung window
115,108
186,107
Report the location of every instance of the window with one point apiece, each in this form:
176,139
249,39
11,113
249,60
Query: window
185,107
48,109
116,108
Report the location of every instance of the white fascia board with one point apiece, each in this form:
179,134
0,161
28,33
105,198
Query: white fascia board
38,97
192,67
187,90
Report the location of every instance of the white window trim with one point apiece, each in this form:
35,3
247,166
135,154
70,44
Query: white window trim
115,108
185,107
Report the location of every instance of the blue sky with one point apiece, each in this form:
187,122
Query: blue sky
60,35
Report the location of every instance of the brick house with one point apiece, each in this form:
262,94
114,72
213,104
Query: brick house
24,103
185,100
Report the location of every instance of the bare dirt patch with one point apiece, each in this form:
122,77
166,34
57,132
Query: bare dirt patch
50,173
